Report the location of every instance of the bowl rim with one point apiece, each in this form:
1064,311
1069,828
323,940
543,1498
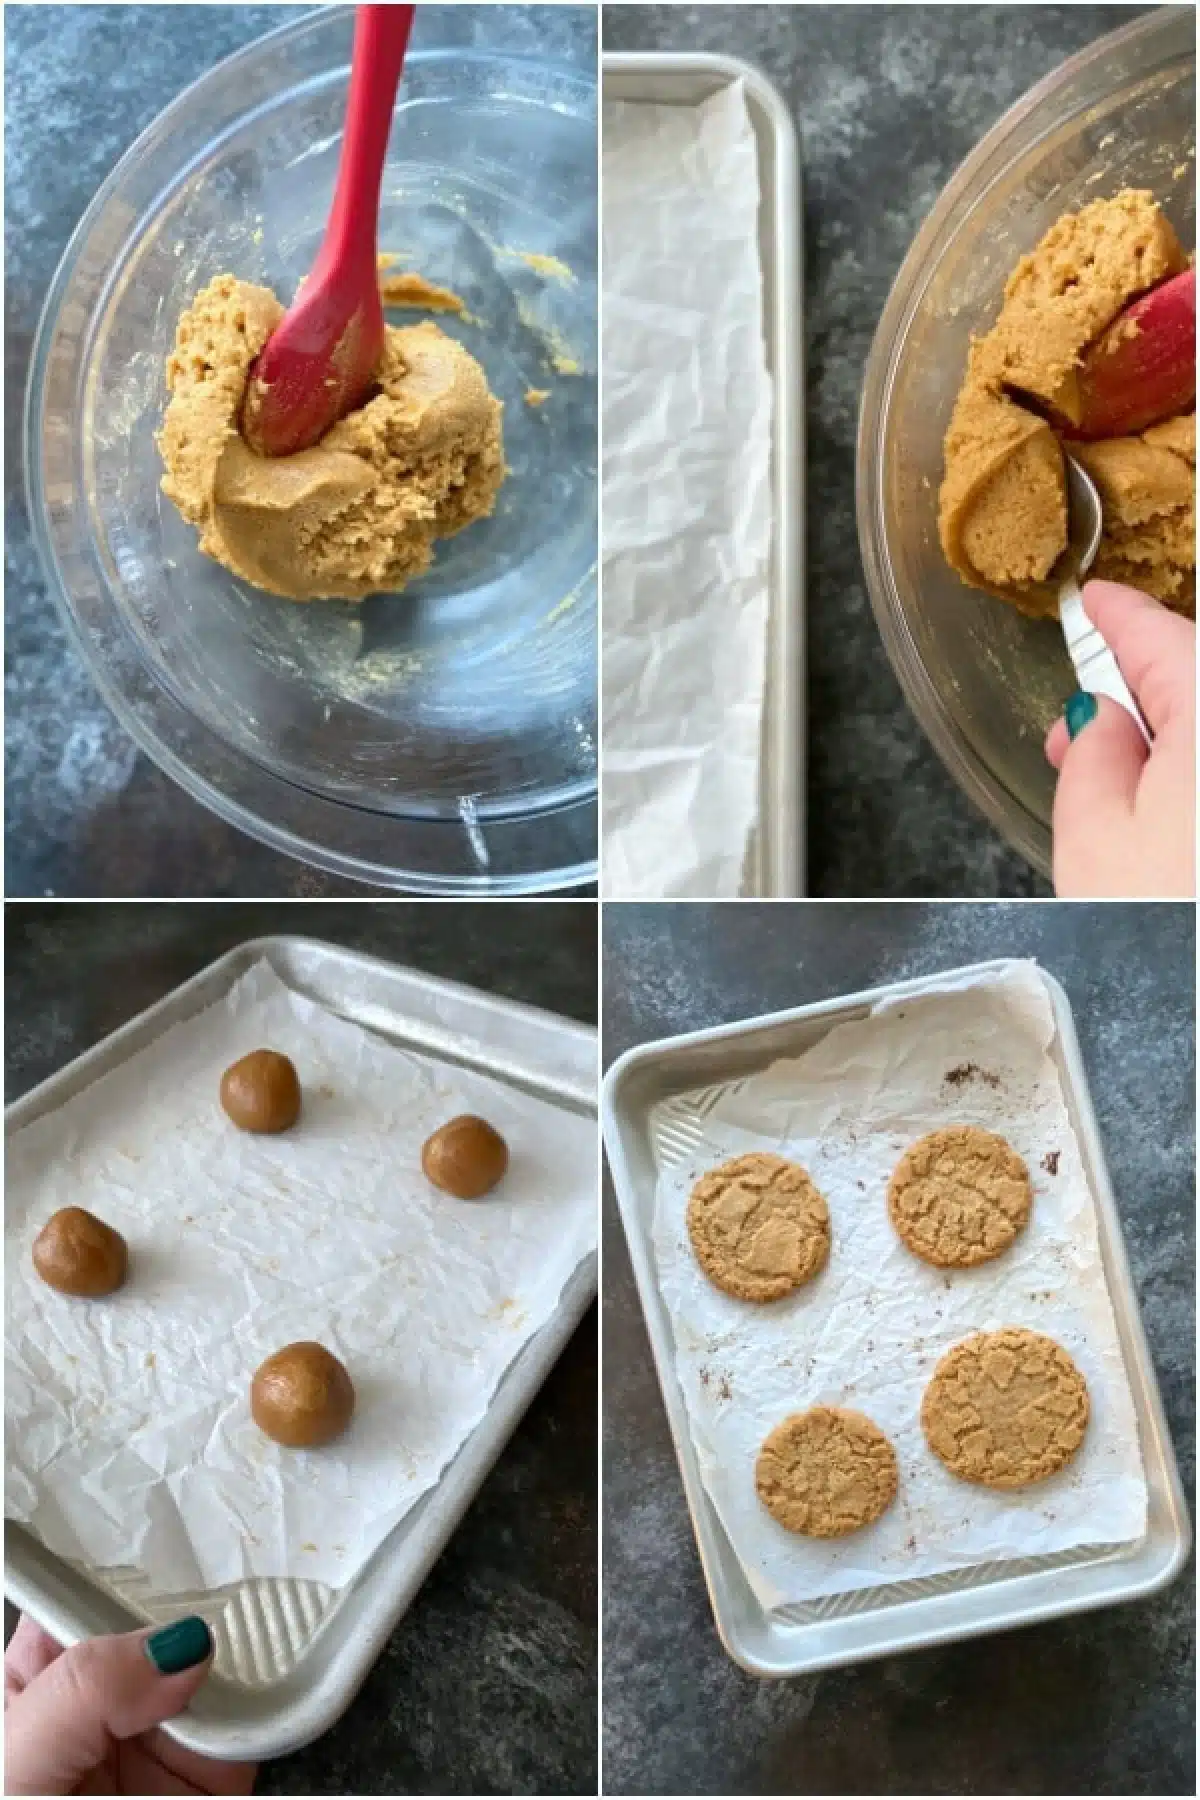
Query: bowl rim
579,797
984,164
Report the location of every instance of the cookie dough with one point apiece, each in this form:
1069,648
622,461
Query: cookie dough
759,1227
466,1157
302,1396
78,1254
826,1472
261,1092
1005,1408
361,511
1147,485
1003,504
959,1196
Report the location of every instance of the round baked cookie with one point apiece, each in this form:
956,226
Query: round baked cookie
959,1196
759,1227
1005,1408
826,1472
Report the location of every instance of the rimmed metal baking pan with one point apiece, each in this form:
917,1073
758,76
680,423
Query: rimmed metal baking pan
910,1615
777,864
291,1655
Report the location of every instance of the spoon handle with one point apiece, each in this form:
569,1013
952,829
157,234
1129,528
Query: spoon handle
1096,667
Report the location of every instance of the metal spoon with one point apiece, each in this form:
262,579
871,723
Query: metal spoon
1096,667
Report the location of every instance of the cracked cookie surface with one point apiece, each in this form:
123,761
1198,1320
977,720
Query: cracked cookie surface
1005,1408
759,1226
826,1472
958,1197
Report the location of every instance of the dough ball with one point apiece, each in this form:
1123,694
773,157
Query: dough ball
465,1157
302,1396
77,1253
261,1092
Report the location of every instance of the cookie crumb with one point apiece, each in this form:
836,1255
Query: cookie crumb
964,1072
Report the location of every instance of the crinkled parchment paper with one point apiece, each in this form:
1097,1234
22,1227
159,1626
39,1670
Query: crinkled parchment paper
687,498
129,1436
869,1330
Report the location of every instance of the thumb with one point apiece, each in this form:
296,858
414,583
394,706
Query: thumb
1097,784
1156,648
64,1723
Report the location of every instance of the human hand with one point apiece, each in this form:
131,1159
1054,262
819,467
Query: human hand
1125,816
81,1721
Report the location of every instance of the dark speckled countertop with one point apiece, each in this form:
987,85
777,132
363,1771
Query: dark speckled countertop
87,814
889,100
488,1685
1103,1703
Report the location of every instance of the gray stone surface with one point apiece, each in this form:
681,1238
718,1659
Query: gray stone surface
87,814
1100,1704
889,100
488,1685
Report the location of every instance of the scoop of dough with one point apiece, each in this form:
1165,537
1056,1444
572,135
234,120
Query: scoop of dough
1008,521
360,512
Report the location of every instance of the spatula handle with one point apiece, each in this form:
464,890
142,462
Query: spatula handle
381,35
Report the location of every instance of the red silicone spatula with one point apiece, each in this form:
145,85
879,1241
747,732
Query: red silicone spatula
320,361
1143,369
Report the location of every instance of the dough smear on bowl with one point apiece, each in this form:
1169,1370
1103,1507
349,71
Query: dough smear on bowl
361,511
1003,505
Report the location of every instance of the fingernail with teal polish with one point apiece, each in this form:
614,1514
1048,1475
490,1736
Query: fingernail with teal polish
179,1646
1080,710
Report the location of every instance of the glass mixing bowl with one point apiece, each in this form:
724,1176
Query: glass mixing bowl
986,683
442,740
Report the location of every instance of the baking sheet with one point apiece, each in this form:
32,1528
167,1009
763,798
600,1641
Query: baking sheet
687,535
328,1231
869,1331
